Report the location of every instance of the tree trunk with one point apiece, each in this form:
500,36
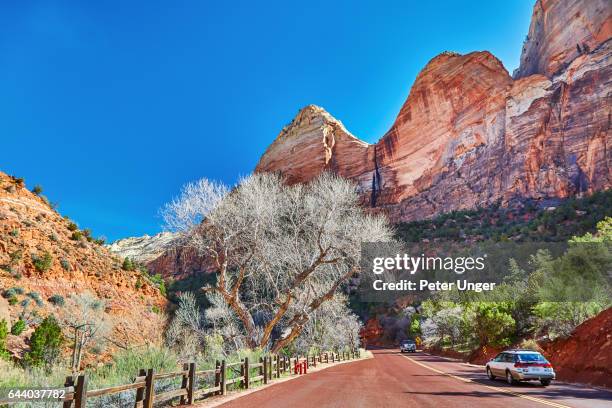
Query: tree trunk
74,350
80,354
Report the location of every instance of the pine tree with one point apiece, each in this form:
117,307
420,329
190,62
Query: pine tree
128,265
45,344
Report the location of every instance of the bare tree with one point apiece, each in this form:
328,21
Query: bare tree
87,323
186,331
280,252
331,327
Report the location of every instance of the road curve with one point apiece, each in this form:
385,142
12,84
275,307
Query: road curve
391,380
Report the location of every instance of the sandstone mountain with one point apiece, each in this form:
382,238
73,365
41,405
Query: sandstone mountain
143,249
469,134
161,254
44,256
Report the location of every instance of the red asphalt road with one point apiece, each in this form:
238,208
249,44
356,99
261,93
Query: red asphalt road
391,379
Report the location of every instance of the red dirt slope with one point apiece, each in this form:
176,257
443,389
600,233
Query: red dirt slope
585,356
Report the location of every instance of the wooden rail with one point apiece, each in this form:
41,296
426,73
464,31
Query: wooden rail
267,369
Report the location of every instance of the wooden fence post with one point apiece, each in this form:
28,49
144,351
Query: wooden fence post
140,392
264,368
277,367
217,374
246,373
80,392
184,382
69,383
223,377
191,388
149,390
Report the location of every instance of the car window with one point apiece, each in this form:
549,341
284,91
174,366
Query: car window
508,358
500,357
528,357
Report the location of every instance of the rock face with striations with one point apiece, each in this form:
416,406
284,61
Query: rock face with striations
469,134
560,31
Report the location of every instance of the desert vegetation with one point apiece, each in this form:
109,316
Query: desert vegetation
545,301
524,221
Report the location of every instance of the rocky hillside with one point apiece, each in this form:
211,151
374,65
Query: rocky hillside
45,258
470,135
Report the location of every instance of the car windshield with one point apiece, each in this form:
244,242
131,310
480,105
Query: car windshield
407,342
531,357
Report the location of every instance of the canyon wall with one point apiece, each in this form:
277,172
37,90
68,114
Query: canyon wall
469,134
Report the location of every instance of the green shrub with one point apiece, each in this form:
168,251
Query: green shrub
44,263
18,327
128,264
37,189
492,323
76,236
12,292
45,344
9,293
35,296
162,289
57,300
65,264
14,232
3,335
13,301
16,256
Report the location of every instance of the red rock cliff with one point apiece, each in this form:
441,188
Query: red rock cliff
470,135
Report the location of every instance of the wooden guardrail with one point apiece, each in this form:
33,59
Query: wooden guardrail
267,369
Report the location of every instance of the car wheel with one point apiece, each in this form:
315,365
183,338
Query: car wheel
509,378
545,383
490,374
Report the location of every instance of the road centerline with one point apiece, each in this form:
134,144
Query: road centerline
467,380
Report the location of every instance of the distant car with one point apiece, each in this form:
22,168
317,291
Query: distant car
521,365
408,346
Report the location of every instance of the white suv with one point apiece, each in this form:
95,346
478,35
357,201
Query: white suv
521,365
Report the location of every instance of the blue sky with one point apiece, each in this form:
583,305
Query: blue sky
112,105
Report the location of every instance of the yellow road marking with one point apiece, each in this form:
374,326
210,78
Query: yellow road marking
467,380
